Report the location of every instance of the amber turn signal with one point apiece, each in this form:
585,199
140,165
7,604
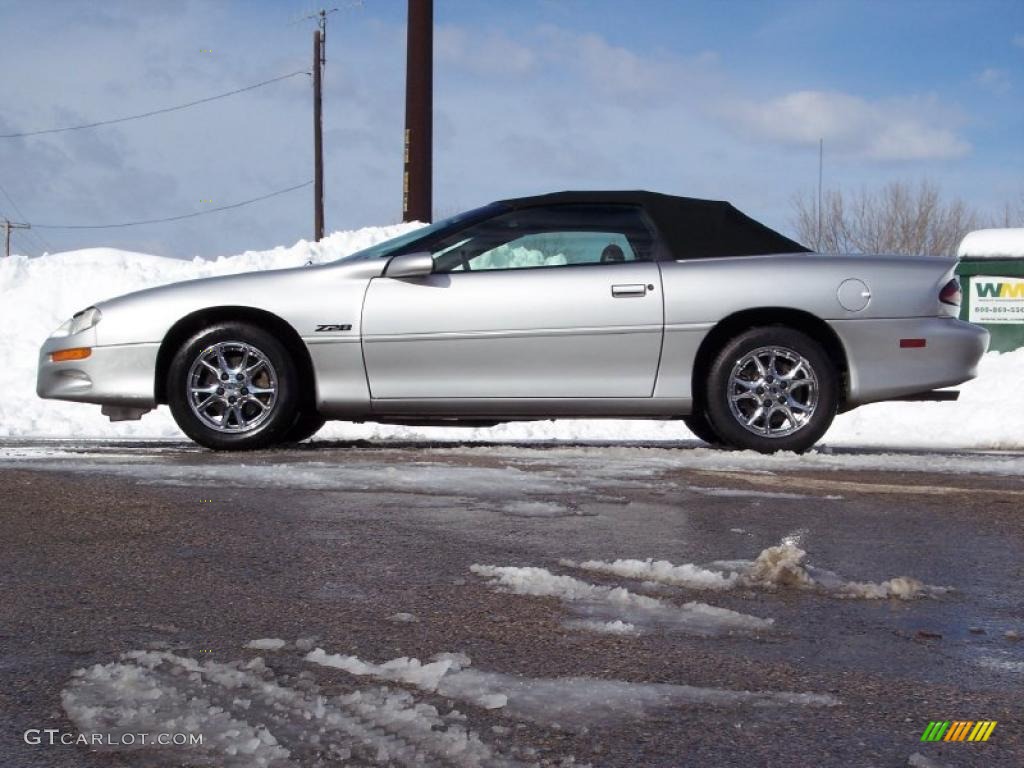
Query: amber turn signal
75,353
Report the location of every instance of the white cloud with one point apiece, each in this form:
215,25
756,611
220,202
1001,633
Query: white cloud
896,129
487,55
650,78
994,80
1018,40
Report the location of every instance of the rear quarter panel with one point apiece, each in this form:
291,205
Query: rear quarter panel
701,293
707,290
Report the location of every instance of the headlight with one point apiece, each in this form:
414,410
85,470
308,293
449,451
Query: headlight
80,321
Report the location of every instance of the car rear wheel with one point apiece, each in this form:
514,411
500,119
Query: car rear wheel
697,422
233,386
772,389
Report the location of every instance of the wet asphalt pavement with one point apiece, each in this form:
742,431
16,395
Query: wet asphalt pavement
108,548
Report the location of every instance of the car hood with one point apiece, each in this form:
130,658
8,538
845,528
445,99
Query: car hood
145,316
257,280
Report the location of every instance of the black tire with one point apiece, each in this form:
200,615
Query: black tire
697,422
267,425
779,431
307,424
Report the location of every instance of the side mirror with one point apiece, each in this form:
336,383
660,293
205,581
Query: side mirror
410,265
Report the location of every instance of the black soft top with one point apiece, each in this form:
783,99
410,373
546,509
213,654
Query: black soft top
691,228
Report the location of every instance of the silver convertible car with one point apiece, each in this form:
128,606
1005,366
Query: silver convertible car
576,304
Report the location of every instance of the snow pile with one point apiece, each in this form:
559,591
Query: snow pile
783,566
539,509
266,644
617,627
612,604
403,618
250,717
977,420
992,243
660,571
400,670
575,702
36,295
129,698
775,567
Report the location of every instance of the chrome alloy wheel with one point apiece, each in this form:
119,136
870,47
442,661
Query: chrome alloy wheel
773,391
232,387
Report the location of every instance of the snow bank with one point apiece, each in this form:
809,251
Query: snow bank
36,295
992,244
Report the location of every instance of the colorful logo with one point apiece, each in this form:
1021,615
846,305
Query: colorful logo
996,299
1000,290
959,730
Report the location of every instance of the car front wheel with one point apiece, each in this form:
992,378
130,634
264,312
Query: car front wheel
772,389
307,423
233,386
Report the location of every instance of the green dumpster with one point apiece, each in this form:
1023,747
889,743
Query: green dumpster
991,273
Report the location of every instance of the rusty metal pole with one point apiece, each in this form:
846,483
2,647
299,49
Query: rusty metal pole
8,226
318,141
417,180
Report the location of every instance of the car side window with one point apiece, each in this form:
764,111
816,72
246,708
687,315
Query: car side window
548,236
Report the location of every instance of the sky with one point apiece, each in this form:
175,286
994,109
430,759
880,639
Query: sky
723,99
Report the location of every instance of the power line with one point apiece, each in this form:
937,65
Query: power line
174,218
154,112
27,248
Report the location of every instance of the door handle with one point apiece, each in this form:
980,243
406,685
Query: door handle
628,290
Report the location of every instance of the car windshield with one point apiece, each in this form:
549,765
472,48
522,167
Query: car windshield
408,241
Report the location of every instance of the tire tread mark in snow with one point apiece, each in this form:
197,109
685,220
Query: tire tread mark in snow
361,718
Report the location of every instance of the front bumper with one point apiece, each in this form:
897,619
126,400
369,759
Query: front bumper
118,375
881,370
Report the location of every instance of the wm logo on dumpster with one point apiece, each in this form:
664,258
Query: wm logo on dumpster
988,290
958,730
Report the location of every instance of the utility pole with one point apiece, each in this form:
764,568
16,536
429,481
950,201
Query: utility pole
417,180
319,62
8,226
318,130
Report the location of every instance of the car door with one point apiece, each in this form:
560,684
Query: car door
559,301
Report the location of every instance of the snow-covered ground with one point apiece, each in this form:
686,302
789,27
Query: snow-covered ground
250,715
36,295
